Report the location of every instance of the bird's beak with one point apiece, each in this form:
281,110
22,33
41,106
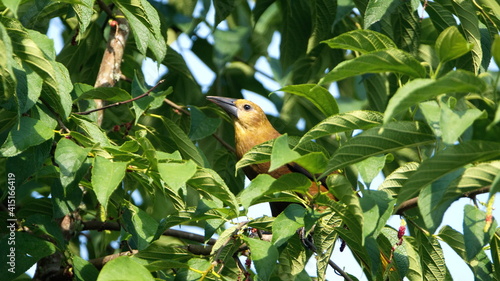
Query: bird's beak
225,103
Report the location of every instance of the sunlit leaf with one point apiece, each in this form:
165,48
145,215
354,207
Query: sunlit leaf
264,256
419,90
445,162
343,122
389,60
124,268
286,224
361,40
318,95
27,133
451,44
375,141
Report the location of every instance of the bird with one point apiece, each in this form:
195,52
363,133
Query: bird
251,127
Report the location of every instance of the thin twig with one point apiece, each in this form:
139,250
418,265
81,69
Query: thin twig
413,202
114,226
121,102
106,9
339,270
100,262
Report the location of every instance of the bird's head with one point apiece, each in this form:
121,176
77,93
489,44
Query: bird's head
245,114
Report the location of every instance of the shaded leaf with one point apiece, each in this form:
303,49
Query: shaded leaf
106,175
264,256
176,175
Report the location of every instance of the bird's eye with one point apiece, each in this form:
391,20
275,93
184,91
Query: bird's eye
247,107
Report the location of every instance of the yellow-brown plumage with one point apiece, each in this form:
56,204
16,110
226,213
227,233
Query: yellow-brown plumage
251,127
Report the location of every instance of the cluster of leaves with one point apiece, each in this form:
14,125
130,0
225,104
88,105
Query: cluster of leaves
416,102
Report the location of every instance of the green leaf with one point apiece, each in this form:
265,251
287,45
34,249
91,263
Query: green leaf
286,224
415,267
474,231
93,131
104,93
361,40
27,133
495,250
145,24
223,9
446,162
343,191
83,269
343,122
377,141
184,144
202,126
156,42
378,10
281,153
7,73
292,261
296,31
70,158
176,175
258,154
370,167
432,202
451,44
393,182
314,162
495,50
13,5
28,249
389,60
84,13
324,237
431,257
264,256
469,23
139,224
480,265
264,184
106,175
419,90
377,207
455,121
124,268
211,185
318,95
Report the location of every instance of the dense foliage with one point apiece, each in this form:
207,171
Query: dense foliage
415,102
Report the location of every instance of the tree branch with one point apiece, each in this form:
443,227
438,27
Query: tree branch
412,203
110,69
121,102
114,226
100,262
